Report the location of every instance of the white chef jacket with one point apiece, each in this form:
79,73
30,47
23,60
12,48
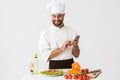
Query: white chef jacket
53,38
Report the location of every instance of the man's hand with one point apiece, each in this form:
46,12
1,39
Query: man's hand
59,50
65,45
75,42
75,48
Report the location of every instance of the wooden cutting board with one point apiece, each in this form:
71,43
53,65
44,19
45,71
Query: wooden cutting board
95,73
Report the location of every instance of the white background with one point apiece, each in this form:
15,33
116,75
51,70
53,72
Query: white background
97,21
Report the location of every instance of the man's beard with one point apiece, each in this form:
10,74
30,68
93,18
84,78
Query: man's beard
58,24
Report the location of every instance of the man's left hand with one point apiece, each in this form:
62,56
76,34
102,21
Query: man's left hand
75,42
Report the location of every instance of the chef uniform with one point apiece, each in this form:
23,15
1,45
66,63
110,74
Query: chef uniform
53,38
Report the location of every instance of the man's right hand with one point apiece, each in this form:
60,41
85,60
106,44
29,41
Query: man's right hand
59,50
65,45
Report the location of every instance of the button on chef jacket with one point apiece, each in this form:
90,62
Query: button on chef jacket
53,38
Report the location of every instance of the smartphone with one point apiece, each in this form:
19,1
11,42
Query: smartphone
77,37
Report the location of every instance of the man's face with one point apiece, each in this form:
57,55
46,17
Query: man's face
57,19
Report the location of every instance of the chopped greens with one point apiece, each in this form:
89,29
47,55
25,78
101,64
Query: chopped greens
52,72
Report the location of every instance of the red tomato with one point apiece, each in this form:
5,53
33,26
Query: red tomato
82,70
84,77
88,77
69,76
66,76
75,77
80,77
53,70
87,70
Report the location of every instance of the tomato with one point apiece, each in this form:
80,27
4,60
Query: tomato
53,70
80,77
82,70
84,77
75,77
88,77
66,76
87,70
69,76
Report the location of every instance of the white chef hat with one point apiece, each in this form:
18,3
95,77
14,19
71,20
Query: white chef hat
56,7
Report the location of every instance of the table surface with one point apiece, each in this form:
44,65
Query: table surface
29,76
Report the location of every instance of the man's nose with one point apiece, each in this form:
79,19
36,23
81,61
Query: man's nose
56,18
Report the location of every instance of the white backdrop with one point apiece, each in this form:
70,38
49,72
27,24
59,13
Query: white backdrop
97,21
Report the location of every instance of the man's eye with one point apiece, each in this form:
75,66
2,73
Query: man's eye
60,16
53,16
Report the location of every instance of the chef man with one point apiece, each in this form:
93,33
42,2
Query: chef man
58,44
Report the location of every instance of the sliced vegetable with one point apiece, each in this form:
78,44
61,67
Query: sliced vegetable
52,72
